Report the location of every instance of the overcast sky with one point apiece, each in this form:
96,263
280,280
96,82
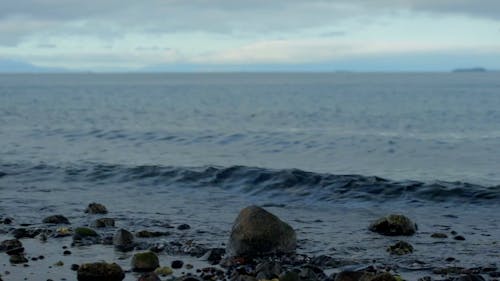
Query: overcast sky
343,34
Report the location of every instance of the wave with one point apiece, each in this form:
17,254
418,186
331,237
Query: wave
293,184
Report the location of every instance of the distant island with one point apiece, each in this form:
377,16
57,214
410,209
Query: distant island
473,69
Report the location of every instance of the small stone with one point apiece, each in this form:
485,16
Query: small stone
17,259
164,271
400,248
450,259
67,253
393,225
100,272
459,237
62,232
96,208
75,267
439,235
123,240
146,261
150,276
7,221
56,219
183,227
59,263
103,222
386,276
188,266
177,264
214,256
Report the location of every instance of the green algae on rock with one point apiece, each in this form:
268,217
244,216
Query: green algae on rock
100,271
146,261
394,225
258,232
400,248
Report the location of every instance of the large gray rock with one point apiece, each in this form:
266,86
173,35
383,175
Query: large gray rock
257,232
123,240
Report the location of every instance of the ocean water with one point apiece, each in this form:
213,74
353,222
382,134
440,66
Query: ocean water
328,153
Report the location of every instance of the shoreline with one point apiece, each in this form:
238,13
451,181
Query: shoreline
172,245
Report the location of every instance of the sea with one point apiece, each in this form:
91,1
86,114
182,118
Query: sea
327,152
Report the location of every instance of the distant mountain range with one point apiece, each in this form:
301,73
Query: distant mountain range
15,66
472,69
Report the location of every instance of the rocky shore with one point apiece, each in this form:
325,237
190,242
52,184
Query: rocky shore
260,247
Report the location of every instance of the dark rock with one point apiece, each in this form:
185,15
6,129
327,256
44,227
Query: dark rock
100,271
289,276
56,219
439,235
425,278
459,237
151,234
258,232
469,277
146,261
189,278
75,267
11,244
96,208
393,225
25,233
352,275
6,220
267,270
103,222
214,256
400,248
150,276
183,227
123,240
15,251
310,272
450,259
16,259
84,233
386,276
67,253
177,264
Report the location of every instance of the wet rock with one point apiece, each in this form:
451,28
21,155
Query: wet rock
310,272
289,276
123,240
13,246
103,222
386,276
425,278
96,208
63,232
151,234
258,232
349,276
189,278
267,270
177,264
459,238
6,221
19,233
56,219
84,233
100,271
150,276
439,235
146,261
214,256
393,225
400,248
183,227
74,267
164,271
17,259
469,277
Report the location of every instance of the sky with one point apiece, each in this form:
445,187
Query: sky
357,35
